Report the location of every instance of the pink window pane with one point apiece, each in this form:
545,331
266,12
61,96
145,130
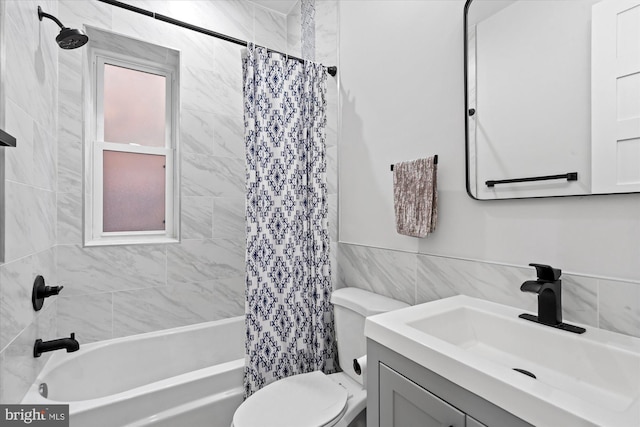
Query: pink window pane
134,192
134,106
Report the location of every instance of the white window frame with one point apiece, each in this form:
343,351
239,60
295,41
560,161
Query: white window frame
95,145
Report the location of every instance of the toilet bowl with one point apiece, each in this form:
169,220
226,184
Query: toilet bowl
316,399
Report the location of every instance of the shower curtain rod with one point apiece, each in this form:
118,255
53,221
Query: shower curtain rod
332,70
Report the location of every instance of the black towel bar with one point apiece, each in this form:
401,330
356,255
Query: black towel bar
435,160
571,176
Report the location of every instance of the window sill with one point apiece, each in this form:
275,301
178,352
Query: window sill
131,240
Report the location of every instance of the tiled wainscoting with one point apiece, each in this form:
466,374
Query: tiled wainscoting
416,278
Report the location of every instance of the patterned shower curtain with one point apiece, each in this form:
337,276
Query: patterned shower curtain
289,319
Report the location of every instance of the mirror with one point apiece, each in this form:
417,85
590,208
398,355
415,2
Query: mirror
552,97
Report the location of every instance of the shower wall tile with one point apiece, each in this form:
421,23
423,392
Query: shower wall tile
108,268
197,217
200,278
19,159
19,367
75,13
198,175
69,218
69,153
70,96
145,310
69,180
30,87
212,176
227,75
231,17
197,131
229,218
16,279
152,52
326,29
198,89
69,150
308,24
30,220
294,31
212,145
145,28
270,29
619,307
202,260
197,50
228,135
90,317
228,296
44,159
389,273
33,68
16,312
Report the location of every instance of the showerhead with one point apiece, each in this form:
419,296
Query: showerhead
69,38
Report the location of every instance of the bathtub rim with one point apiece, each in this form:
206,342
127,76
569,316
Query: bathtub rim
78,406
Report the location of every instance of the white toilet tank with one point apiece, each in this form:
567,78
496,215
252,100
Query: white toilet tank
350,307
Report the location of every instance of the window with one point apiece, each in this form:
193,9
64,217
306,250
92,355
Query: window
130,145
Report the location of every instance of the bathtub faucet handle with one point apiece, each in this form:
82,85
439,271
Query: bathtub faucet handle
42,291
52,290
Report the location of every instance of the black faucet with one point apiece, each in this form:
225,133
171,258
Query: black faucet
549,298
70,344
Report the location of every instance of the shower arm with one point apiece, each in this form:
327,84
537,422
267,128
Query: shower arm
42,14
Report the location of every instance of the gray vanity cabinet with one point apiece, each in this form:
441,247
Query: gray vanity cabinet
404,403
401,393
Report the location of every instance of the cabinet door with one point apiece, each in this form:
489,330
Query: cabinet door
472,422
403,403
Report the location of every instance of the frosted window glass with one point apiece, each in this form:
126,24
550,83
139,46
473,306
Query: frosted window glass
133,192
134,106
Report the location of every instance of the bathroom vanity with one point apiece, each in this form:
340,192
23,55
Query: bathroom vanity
404,393
462,361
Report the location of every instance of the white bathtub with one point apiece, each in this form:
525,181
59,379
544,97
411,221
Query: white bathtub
188,376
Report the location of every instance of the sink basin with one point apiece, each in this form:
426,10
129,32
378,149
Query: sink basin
587,379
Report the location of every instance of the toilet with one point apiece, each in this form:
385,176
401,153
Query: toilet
315,399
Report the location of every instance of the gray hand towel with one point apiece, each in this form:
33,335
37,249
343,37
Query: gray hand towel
416,197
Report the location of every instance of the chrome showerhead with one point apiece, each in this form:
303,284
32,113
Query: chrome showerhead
69,38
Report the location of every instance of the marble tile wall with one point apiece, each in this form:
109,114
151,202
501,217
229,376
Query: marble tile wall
117,291
308,14
123,290
417,278
30,67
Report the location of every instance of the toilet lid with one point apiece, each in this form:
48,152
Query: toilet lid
303,400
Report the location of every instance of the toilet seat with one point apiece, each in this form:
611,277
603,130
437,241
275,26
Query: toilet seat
305,400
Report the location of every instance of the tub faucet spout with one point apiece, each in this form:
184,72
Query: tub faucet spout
70,344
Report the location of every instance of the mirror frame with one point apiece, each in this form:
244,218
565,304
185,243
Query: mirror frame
466,128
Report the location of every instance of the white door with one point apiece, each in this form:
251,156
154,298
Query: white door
615,91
